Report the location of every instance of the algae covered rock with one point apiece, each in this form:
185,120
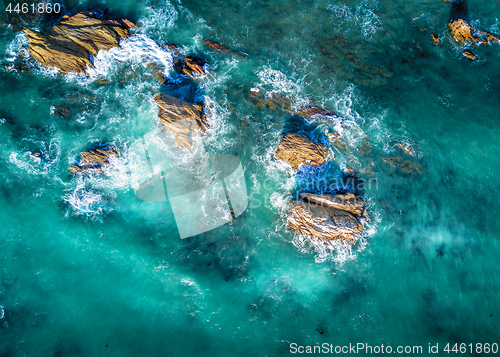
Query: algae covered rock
181,118
70,44
297,149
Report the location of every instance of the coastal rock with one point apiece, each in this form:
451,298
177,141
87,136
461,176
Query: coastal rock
435,39
217,47
181,118
323,222
296,149
93,160
462,31
469,55
192,66
406,147
69,44
347,202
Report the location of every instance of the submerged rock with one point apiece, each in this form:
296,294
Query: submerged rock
93,160
462,31
323,222
296,149
347,202
181,118
217,47
70,44
406,166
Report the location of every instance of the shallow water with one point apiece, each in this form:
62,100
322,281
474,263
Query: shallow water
88,269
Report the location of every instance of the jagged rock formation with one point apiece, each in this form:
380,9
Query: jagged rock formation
296,149
327,217
181,118
93,160
69,44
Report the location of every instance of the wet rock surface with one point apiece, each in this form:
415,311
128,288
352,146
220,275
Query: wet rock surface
70,44
324,221
181,118
297,149
347,202
94,160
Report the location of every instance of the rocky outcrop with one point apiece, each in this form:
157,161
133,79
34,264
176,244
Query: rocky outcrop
323,221
406,147
435,39
93,160
462,32
296,149
221,48
191,66
469,55
181,118
347,202
69,44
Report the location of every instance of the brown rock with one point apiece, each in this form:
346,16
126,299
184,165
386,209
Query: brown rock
435,39
181,118
469,55
462,31
69,44
93,160
221,49
193,66
296,149
407,148
346,202
323,222
308,111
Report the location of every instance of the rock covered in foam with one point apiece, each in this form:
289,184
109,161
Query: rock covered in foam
93,160
297,149
326,220
70,44
181,118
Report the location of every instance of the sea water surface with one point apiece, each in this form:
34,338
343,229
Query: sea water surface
87,269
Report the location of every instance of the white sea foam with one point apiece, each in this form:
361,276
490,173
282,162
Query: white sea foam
363,17
137,48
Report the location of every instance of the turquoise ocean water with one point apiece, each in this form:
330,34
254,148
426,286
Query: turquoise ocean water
87,269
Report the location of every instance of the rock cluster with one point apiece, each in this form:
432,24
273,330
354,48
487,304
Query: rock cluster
327,217
70,44
297,149
93,160
181,118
